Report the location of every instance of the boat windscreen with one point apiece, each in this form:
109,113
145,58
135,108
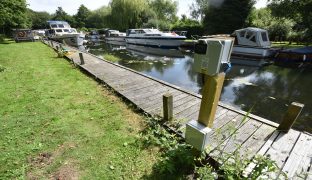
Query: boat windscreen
61,26
53,26
264,36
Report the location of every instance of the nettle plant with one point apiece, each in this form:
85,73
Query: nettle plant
179,159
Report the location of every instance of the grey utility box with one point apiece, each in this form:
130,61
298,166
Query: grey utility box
197,135
211,53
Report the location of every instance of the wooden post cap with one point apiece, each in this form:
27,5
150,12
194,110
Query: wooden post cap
290,117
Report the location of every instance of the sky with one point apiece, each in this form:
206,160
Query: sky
71,6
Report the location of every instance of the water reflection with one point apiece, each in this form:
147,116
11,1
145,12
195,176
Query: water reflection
269,90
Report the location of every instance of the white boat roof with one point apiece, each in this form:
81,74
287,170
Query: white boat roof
252,29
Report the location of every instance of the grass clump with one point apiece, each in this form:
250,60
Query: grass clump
58,123
111,58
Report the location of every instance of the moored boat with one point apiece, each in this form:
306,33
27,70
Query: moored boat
294,56
62,32
115,37
154,38
252,42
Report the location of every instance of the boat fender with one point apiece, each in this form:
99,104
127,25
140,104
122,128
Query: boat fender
226,67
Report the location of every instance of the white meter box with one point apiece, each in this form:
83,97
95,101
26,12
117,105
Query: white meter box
210,53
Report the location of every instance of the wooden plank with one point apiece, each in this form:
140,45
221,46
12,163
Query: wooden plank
156,108
134,86
184,114
219,135
152,100
256,141
146,92
300,158
235,141
281,147
175,103
185,106
261,152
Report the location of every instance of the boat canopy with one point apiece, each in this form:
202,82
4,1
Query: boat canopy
58,24
252,37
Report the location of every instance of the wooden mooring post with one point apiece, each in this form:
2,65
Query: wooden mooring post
51,44
168,106
290,117
81,59
211,95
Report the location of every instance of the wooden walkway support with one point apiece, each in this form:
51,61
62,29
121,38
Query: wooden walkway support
292,151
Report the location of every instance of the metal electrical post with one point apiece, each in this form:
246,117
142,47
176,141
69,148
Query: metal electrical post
212,58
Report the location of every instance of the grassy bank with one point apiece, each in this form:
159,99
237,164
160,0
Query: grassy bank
58,123
286,45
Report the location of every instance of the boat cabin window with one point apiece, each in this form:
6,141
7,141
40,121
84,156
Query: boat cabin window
73,30
58,30
253,39
51,31
242,33
264,36
53,26
249,34
66,30
61,26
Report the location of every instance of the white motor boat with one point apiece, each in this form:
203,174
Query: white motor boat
151,51
154,38
252,42
115,37
62,32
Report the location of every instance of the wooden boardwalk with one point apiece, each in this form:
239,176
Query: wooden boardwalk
292,151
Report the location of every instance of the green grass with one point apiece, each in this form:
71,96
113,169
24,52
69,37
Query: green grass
286,45
57,122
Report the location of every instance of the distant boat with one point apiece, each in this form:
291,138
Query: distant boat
294,56
252,42
62,32
115,37
154,38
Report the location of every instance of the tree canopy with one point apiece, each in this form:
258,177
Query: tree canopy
81,16
13,14
300,11
227,16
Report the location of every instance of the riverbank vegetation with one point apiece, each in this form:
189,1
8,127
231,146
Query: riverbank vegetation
284,19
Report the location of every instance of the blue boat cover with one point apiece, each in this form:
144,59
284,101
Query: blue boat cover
304,50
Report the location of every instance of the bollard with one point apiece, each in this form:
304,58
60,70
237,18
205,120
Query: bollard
51,43
81,59
168,106
290,117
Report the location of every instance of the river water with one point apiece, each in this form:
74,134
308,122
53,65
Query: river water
269,89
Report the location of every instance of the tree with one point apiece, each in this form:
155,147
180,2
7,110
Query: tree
38,19
13,15
280,27
299,11
99,18
198,9
61,15
81,16
165,9
127,14
227,16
